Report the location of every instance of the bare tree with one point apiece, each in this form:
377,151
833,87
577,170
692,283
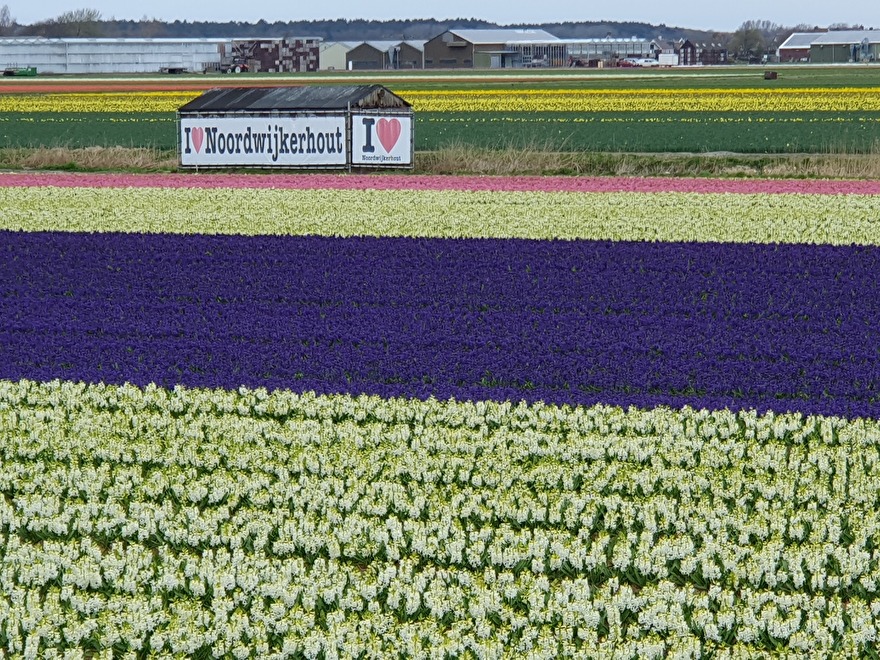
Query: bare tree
76,23
748,42
7,22
756,37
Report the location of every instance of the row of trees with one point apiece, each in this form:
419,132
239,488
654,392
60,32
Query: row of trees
89,23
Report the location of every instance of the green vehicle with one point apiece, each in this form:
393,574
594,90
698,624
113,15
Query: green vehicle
20,71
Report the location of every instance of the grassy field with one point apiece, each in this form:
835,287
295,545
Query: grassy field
655,132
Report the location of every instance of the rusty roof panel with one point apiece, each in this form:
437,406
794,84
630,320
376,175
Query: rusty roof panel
307,97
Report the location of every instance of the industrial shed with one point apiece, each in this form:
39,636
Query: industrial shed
297,127
81,55
482,49
579,52
409,54
841,46
370,56
513,49
382,55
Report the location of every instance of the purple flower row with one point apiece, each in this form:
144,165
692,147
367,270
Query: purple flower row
782,327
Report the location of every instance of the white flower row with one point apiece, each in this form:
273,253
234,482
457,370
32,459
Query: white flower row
619,216
261,524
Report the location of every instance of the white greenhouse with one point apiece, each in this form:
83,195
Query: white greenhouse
102,55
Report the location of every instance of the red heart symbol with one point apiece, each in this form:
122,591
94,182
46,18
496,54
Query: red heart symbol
388,131
198,134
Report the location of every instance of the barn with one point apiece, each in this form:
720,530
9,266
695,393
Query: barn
796,48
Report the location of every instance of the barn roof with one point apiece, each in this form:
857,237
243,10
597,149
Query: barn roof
308,97
847,37
800,40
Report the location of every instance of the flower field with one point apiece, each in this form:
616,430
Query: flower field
806,112
320,416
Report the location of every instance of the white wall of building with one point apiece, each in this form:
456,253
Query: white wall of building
110,55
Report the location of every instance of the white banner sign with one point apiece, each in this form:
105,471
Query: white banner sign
263,141
378,140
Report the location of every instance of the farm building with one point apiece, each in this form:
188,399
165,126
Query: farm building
499,49
100,55
846,46
797,47
481,49
381,55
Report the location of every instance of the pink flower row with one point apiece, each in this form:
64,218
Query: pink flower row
420,182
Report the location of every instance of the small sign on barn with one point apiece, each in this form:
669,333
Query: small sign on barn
296,127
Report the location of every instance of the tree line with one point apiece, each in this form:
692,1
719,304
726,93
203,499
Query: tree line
90,23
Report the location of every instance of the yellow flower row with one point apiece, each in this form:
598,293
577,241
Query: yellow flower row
648,100
519,100
97,102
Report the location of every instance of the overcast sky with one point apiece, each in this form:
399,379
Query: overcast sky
723,16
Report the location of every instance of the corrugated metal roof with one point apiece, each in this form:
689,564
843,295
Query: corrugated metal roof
383,46
848,37
800,40
378,45
388,46
311,97
502,36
